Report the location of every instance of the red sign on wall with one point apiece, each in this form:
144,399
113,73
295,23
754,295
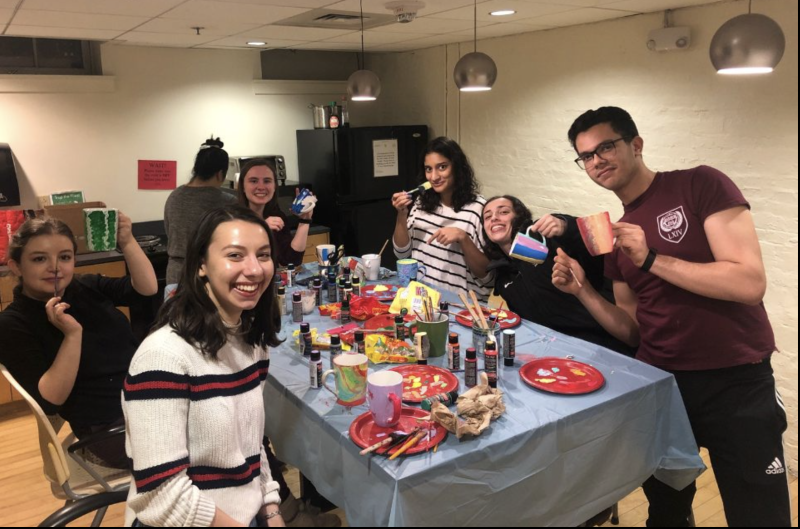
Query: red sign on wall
158,174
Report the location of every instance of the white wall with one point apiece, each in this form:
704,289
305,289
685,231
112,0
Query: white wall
166,103
687,114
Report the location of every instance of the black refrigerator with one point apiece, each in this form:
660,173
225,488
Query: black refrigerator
355,172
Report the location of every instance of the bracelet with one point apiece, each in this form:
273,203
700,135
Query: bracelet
304,221
649,260
271,515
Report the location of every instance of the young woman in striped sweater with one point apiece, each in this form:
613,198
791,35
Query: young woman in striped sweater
193,395
442,228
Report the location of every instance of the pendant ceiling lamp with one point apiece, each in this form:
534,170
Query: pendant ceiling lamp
475,72
363,85
747,44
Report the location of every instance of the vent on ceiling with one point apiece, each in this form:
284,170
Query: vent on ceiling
327,19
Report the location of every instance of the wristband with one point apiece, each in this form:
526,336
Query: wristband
649,260
271,515
305,221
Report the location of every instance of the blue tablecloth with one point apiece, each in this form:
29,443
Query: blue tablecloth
550,460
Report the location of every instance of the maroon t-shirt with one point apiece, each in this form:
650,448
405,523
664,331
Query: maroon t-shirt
680,330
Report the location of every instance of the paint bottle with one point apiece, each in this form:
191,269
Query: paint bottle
306,342
315,370
340,288
348,289
336,348
317,288
297,307
290,276
345,317
357,286
448,399
453,353
423,348
360,344
471,368
444,309
333,293
400,327
282,300
494,333
490,362
509,347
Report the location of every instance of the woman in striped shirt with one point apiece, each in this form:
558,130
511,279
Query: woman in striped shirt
442,228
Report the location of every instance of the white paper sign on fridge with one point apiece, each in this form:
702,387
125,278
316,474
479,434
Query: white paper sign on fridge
385,158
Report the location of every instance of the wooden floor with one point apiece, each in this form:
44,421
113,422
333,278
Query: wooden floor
26,500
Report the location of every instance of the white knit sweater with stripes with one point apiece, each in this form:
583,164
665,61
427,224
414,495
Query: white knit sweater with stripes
194,433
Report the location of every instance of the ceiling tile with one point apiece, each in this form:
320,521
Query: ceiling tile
502,30
180,27
239,42
649,6
163,39
576,17
5,16
329,46
8,4
143,8
206,12
524,9
377,6
309,4
432,26
61,33
375,37
295,33
57,19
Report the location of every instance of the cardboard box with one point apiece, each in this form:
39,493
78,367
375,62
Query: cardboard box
72,216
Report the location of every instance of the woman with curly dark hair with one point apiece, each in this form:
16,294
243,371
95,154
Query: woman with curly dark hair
443,229
527,288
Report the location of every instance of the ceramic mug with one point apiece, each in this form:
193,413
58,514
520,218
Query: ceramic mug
384,396
408,270
304,202
372,264
350,371
325,253
526,248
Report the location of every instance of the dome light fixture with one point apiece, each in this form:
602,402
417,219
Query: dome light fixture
475,72
363,85
748,44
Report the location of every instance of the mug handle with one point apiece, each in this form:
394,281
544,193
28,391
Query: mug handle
423,270
396,408
528,233
325,375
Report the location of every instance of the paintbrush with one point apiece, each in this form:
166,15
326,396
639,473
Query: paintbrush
420,188
402,438
394,438
384,247
411,442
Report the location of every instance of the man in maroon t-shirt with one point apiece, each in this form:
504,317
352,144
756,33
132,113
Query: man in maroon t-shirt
688,282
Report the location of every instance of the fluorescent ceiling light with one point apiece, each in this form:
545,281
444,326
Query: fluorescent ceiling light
503,13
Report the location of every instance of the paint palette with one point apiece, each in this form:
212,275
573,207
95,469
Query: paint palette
506,318
421,382
561,376
383,293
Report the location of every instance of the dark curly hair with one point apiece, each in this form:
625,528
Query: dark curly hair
210,160
522,219
192,313
621,122
466,186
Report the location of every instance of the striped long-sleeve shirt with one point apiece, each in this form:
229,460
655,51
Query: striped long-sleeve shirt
445,266
194,432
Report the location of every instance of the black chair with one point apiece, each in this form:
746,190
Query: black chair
74,510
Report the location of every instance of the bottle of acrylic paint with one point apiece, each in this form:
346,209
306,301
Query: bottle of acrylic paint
336,348
357,286
399,327
297,307
333,292
315,370
282,300
345,318
423,348
306,342
360,344
453,353
348,289
509,348
444,309
471,368
448,399
317,288
490,362
290,276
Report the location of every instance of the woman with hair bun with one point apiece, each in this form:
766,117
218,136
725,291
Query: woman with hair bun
189,202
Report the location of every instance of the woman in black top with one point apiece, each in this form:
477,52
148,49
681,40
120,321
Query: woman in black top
64,340
528,288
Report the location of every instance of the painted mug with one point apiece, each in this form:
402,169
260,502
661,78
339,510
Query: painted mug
526,248
408,270
372,263
304,202
384,396
350,371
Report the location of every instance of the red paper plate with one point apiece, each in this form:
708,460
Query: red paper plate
368,291
425,376
562,376
506,318
365,433
384,322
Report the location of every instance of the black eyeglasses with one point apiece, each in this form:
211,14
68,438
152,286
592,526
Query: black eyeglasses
607,148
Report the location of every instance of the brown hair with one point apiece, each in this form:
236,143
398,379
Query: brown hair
271,209
34,228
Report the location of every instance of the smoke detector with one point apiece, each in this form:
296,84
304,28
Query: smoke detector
405,10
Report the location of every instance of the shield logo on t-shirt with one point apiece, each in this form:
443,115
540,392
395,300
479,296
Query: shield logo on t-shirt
672,225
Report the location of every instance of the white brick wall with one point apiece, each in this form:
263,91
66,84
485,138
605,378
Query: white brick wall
687,114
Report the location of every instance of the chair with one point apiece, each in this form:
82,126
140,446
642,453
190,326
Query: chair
74,510
72,478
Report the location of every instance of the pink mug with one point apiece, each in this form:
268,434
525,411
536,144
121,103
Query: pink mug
384,394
